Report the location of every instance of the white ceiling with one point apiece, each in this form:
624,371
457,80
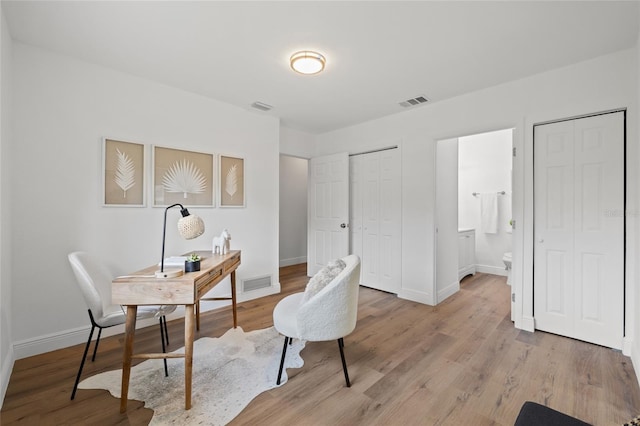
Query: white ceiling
378,53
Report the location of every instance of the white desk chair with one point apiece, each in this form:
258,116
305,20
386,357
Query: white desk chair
94,281
327,310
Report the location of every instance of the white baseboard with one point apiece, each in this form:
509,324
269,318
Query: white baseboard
449,290
527,324
416,296
493,270
65,338
293,261
71,337
635,359
5,374
627,347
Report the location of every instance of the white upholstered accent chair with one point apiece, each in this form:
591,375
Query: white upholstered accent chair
94,281
321,314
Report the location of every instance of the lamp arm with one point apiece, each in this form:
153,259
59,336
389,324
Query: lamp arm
164,232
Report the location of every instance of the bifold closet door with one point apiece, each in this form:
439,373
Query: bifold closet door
579,228
375,218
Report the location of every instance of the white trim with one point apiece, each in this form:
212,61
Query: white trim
493,270
293,261
449,290
635,358
527,324
5,373
416,296
79,335
70,337
627,347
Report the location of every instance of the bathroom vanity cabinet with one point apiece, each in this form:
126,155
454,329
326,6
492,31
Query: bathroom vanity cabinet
466,252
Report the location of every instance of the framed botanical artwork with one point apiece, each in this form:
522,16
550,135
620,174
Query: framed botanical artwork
123,173
231,181
184,177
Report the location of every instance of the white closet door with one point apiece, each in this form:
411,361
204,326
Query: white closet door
579,228
355,205
390,221
376,219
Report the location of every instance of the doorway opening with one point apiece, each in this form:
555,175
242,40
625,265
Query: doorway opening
473,208
293,210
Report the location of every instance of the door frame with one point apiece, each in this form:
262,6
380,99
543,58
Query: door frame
524,287
517,212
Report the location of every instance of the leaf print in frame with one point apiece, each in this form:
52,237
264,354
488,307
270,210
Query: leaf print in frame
123,173
184,177
232,188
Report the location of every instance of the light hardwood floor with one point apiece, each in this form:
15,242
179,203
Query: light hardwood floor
459,363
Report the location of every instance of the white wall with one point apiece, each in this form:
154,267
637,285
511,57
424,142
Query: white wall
603,83
293,210
633,293
484,165
447,253
296,143
6,346
62,109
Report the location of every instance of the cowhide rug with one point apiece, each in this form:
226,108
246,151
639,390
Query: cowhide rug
228,372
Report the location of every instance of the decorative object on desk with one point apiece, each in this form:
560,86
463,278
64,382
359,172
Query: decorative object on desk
192,264
231,181
190,226
228,373
123,173
183,177
221,244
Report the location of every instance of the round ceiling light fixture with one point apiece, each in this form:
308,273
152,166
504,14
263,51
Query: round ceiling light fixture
307,62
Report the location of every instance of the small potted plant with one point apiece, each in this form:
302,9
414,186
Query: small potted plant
192,264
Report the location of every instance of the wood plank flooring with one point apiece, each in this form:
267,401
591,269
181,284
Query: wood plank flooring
461,362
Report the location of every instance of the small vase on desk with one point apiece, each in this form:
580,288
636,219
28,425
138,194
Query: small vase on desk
191,266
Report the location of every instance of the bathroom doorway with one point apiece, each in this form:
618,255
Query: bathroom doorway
478,238
484,196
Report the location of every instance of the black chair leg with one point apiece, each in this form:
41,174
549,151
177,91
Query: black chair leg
95,348
284,352
344,363
166,332
164,350
84,356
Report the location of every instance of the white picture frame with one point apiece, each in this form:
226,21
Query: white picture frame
184,177
232,183
123,173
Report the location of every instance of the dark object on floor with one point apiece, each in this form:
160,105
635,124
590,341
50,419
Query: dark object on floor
533,414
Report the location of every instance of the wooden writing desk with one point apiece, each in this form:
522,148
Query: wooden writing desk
141,288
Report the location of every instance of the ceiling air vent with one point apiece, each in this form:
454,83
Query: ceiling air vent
414,101
261,106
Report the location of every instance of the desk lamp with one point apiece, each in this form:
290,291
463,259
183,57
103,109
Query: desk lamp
190,226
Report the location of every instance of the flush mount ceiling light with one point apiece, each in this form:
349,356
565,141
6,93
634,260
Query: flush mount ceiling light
307,62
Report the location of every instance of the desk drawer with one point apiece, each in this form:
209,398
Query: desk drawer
232,263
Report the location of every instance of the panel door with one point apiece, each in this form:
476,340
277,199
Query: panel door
328,235
579,228
375,218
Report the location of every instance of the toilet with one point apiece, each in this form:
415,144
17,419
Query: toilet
507,265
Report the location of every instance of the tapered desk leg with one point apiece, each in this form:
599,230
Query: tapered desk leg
130,330
188,353
233,298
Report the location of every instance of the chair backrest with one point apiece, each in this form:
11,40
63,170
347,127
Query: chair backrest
94,281
333,312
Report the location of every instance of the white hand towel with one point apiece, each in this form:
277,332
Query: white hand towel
489,213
